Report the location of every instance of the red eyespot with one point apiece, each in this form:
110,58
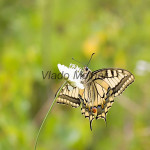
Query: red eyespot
94,109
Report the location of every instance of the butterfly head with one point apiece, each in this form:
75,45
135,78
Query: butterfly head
85,74
86,68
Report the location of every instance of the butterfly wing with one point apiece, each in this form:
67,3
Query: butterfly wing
96,100
98,95
69,96
118,79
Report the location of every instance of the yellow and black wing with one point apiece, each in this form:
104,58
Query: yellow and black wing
97,99
98,95
69,96
118,79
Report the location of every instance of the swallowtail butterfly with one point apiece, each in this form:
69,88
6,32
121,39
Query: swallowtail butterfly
100,89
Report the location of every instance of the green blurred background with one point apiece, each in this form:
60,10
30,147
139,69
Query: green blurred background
37,35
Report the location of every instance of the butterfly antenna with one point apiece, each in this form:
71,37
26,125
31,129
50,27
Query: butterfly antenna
77,61
90,59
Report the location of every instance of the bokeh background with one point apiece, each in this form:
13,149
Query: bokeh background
37,35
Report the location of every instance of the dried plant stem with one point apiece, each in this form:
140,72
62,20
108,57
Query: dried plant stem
48,113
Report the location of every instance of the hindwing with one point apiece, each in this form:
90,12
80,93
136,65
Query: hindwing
96,100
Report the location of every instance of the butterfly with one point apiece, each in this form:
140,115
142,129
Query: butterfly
98,90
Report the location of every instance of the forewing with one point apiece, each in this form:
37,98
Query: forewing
69,96
117,79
